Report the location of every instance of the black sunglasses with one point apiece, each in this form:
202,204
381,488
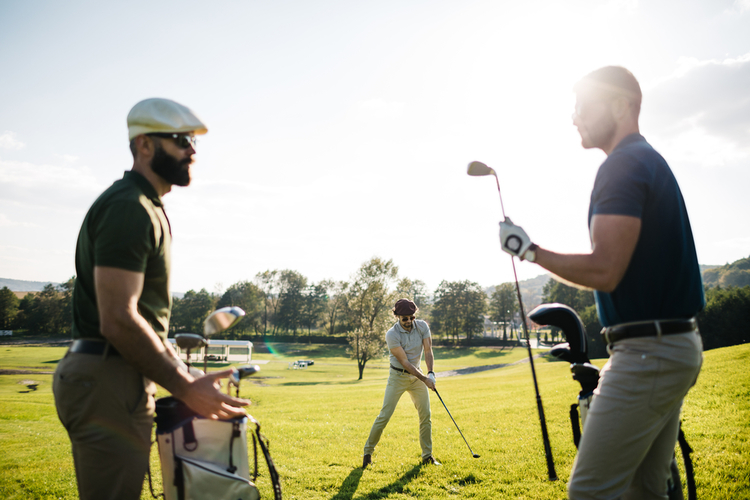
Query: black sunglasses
183,141
407,318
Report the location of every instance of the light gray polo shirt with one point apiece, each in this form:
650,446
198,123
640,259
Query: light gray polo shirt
411,341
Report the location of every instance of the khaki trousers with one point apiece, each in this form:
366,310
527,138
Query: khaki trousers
107,408
398,383
631,429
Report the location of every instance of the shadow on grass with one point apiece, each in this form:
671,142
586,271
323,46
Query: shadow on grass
343,382
445,352
349,486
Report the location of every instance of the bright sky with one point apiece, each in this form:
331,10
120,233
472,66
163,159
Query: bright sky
341,130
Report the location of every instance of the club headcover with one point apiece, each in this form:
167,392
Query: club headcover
587,375
566,319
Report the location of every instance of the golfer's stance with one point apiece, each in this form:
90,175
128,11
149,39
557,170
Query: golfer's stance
121,305
406,341
644,272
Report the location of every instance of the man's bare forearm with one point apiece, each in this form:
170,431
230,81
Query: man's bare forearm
429,360
141,347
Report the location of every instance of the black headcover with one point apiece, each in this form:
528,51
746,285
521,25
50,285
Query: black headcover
566,319
575,351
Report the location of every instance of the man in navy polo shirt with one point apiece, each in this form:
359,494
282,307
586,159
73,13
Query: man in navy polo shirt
644,272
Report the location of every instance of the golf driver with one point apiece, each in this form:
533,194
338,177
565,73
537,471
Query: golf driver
218,321
238,374
477,168
454,423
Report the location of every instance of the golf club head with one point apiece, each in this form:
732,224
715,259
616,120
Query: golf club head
242,372
189,341
477,168
222,319
475,455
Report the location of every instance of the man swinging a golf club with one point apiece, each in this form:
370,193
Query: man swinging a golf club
645,276
104,386
407,340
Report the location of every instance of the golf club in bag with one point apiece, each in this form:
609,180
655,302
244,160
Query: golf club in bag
203,458
575,352
477,168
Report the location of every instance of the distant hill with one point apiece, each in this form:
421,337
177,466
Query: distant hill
37,286
25,286
735,274
531,290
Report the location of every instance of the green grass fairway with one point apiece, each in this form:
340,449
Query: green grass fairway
318,419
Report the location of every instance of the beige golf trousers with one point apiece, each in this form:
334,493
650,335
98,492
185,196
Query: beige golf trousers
398,383
107,407
631,429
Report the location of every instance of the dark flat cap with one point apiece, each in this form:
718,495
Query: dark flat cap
405,307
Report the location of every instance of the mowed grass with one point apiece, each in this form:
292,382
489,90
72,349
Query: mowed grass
318,419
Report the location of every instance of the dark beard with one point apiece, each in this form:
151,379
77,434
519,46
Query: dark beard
169,168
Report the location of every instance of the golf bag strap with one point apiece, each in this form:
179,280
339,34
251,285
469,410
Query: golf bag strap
576,427
188,435
235,434
255,457
263,441
686,451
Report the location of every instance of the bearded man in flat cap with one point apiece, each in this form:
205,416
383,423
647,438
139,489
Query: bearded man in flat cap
407,340
104,386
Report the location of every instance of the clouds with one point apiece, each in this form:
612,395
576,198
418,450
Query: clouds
45,185
8,140
709,96
742,5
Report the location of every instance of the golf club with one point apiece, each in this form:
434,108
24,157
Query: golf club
189,341
218,321
477,168
454,423
238,374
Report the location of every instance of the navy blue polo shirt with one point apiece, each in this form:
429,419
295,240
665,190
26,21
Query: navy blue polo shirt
663,279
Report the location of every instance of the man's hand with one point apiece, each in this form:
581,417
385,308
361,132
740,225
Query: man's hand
431,376
513,239
203,396
429,381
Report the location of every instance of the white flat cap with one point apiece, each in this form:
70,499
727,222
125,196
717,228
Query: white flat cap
162,115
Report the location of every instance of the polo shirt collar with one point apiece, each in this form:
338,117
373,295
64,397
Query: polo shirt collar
144,185
628,139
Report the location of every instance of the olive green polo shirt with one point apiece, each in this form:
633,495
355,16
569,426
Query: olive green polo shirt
125,228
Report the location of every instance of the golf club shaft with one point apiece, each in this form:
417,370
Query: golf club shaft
502,208
542,421
454,422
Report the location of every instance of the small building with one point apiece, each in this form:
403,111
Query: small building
228,351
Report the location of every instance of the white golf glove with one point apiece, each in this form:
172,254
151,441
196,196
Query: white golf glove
431,376
513,239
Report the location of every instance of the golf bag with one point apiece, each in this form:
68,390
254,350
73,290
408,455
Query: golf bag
208,459
575,352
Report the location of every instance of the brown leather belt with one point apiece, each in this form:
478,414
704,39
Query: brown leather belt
399,369
86,346
616,333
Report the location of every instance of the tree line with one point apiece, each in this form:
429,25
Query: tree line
285,302
725,321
